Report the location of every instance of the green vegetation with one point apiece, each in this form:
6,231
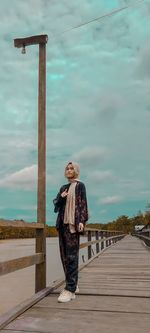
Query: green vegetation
10,232
122,223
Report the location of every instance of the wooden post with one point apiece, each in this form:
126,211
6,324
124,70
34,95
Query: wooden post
97,238
110,234
40,280
106,235
89,247
41,40
102,243
114,235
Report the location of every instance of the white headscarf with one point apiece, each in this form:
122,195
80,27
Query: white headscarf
76,169
69,215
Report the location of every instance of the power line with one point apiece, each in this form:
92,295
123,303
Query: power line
100,17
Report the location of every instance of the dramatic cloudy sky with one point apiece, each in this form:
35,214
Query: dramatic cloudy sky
98,104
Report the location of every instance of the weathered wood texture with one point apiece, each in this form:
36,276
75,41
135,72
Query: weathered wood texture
40,276
19,263
32,40
114,297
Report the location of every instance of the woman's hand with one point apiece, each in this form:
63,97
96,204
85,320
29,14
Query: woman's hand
81,227
64,193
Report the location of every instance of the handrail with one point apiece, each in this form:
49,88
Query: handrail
106,239
105,230
105,236
36,259
82,245
19,263
145,238
22,224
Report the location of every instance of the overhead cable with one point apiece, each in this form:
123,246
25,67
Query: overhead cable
100,17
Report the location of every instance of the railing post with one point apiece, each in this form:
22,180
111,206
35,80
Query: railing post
102,243
111,235
118,235
114,240
89,247
97,238
106,235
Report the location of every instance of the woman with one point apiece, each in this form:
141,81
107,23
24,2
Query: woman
71,205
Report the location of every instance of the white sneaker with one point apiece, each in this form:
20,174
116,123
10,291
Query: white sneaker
66,296
77,290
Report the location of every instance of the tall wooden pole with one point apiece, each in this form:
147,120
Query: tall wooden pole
41,134
40,281
40,269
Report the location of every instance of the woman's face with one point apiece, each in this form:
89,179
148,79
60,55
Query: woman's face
70,173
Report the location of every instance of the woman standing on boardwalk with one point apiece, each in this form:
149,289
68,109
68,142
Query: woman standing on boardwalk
71,205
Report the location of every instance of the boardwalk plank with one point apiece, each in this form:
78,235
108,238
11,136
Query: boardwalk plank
101,303
47,321
12,331
114,297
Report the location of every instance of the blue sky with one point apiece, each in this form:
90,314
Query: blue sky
98,105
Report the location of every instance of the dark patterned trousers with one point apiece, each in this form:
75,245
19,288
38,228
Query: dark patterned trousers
69,253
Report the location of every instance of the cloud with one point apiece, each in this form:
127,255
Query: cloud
107,105
143,65
90,156
98,101
24,179
103,211
101,176
111,200
21,207
145,193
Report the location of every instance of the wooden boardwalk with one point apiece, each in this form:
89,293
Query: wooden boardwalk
114,297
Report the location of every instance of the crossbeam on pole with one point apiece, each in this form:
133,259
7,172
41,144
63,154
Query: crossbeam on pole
39,39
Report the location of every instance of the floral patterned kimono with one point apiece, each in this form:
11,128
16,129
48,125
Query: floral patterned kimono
69,242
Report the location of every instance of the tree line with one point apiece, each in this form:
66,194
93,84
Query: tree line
12,232
122,223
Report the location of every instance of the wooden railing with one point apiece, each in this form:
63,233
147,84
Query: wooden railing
103,238
144,235
37,259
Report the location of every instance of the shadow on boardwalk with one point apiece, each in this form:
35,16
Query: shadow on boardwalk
114,297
